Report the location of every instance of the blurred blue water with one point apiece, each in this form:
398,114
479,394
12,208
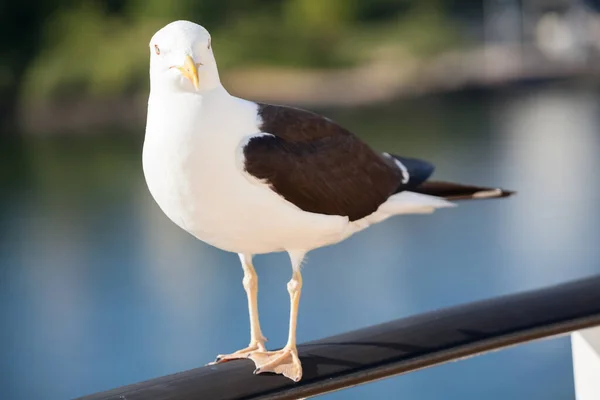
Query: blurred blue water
98,289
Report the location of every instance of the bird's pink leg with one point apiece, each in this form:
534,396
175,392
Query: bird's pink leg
285,361
257,340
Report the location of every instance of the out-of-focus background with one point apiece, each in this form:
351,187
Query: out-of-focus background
98,289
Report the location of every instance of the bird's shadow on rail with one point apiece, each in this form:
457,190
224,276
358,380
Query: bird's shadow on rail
333,358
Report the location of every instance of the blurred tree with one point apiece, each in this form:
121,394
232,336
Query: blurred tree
21,26
65,48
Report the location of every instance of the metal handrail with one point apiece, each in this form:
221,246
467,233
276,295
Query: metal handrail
389,349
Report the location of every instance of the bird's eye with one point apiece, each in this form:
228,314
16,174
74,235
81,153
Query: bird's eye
208,44
156,49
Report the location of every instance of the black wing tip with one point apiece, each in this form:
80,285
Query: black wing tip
492,193
456,191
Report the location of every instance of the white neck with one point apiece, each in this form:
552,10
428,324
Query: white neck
208,79
160,94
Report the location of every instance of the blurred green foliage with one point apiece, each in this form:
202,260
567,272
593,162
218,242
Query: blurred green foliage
58,48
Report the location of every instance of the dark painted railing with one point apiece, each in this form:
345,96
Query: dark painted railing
389,349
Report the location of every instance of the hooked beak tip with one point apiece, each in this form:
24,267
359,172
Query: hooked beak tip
190,71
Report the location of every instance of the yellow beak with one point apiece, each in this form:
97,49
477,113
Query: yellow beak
189,70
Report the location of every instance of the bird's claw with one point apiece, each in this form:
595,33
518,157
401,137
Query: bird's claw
284,362
240,354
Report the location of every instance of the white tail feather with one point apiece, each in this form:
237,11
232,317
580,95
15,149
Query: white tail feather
413,203
400,203
405,203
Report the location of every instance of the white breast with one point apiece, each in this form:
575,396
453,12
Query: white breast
193,172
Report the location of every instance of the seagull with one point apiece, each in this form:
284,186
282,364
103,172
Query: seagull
255,178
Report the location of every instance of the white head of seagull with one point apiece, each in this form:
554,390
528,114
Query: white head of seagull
182,60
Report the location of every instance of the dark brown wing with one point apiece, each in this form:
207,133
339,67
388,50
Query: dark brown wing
318,165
